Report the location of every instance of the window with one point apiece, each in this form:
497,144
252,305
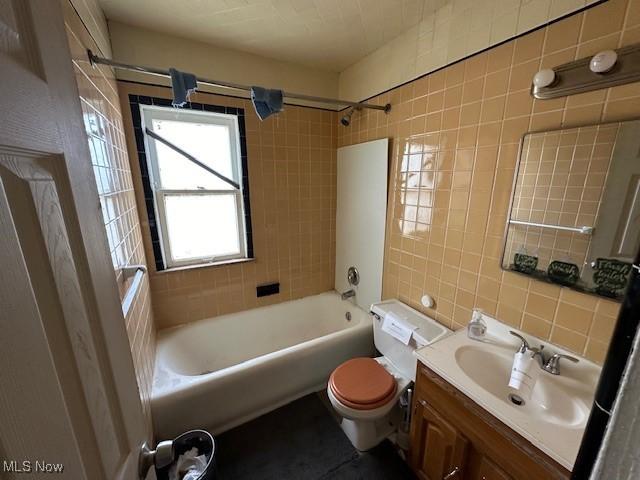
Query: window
199,217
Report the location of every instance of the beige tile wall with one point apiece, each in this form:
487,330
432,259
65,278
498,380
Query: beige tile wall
162,49
292,181
452,30
103,123
95,22
455,137
561,179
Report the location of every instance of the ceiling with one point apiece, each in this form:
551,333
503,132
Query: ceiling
325,34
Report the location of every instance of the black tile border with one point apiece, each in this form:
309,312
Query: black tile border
134,103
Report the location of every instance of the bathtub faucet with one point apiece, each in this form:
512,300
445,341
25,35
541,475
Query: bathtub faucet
349,294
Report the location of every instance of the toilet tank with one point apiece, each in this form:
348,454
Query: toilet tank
401,356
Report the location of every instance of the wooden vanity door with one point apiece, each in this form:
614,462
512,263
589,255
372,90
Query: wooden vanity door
438,451
485,469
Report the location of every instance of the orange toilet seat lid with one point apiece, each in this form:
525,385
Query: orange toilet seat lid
362,384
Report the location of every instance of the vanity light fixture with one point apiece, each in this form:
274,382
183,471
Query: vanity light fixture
603,70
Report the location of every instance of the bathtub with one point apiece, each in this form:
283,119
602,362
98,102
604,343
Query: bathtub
220,372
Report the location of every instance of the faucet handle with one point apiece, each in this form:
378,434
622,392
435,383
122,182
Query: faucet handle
553,364
524,345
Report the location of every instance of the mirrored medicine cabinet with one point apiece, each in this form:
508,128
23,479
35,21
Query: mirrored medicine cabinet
574,218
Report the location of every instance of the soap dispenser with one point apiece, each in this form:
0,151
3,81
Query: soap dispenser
477,328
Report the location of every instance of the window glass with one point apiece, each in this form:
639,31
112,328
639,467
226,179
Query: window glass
200,218
201,225
208,143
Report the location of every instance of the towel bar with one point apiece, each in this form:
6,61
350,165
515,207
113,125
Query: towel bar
137,271
585,230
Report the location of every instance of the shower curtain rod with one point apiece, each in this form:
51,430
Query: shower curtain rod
94,59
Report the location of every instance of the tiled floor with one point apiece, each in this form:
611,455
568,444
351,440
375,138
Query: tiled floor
301,441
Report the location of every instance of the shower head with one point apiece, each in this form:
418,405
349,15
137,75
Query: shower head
346,118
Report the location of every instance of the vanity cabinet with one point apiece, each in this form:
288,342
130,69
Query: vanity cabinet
455,439
441,447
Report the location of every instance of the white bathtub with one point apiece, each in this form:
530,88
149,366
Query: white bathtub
220,372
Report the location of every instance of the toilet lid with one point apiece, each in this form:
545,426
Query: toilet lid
363,384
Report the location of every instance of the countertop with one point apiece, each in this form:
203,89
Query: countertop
549,423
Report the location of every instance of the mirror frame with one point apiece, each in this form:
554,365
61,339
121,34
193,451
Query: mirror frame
511,199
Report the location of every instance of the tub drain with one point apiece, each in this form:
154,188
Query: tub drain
516,399
348,316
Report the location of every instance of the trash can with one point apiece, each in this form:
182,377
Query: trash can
203,442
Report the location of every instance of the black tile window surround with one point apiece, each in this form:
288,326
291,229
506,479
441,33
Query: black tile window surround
134,103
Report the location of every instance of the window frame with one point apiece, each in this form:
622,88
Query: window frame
148,113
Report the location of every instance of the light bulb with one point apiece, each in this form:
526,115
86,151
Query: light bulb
544,78
603,62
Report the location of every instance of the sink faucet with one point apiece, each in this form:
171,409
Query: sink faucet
348,294
552,364
524,345
537,353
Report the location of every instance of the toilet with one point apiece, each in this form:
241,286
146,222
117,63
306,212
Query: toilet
365,392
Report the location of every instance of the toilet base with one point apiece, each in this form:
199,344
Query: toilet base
366,434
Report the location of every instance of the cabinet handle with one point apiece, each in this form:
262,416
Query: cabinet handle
452,473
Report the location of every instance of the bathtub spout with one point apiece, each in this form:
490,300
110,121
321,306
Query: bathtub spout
348,294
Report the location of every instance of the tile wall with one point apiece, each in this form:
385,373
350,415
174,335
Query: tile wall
103,123
162,48
292,184
449,31
561,180
455,136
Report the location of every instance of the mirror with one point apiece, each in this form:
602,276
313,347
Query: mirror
574,218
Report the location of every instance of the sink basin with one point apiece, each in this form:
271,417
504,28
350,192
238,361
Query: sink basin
490,368
555,416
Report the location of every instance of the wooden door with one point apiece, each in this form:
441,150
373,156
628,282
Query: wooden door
68,392
437,451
